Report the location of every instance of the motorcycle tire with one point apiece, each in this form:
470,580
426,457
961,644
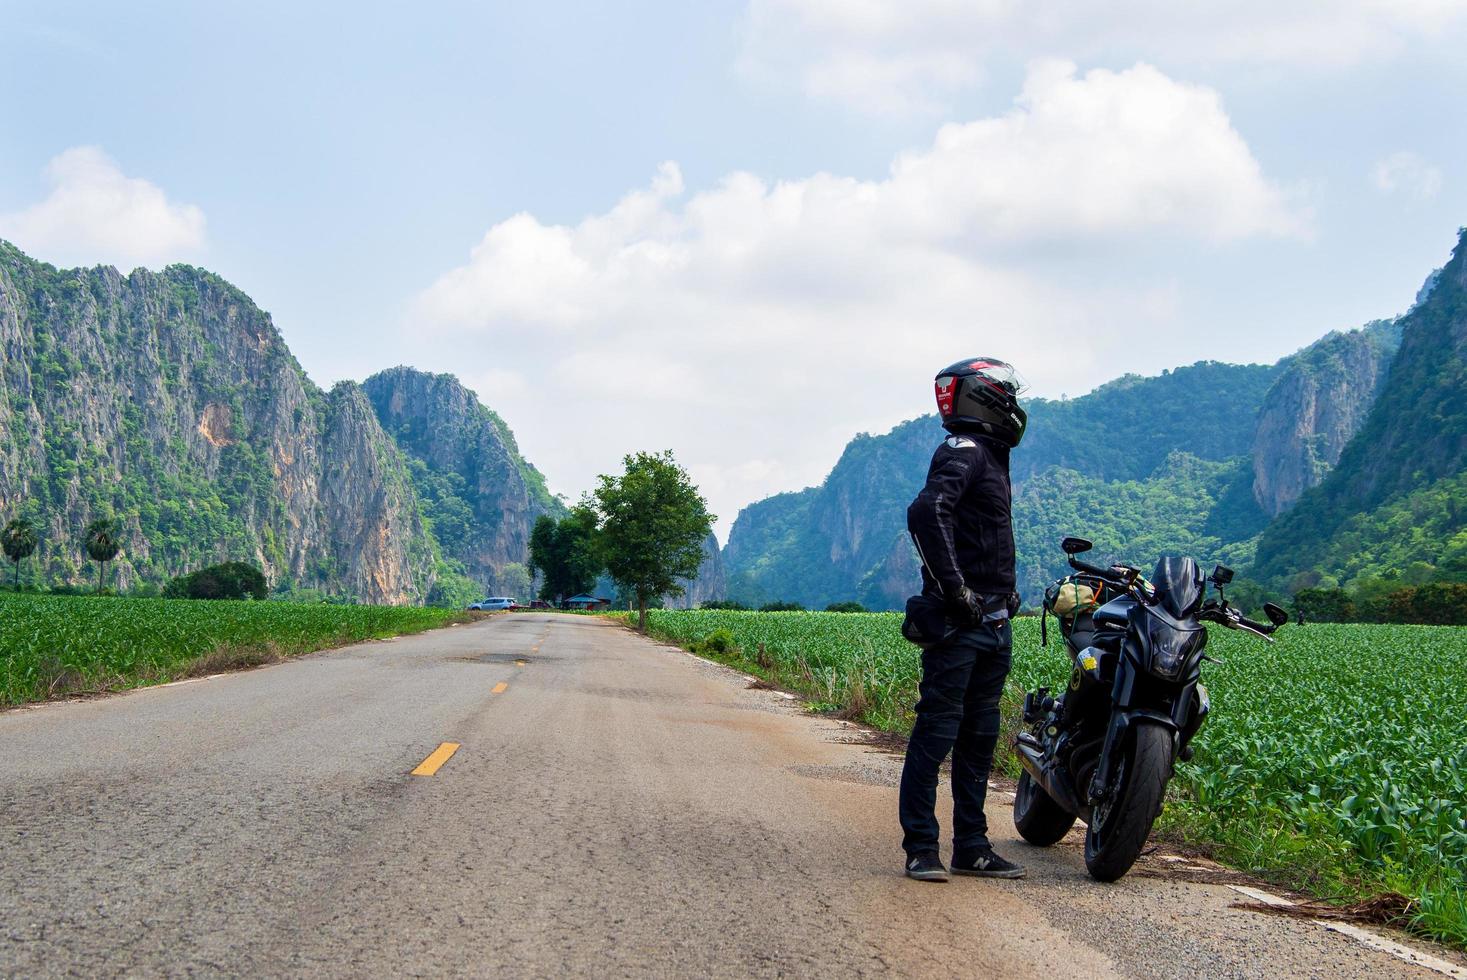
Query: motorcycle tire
1114,842
1037,817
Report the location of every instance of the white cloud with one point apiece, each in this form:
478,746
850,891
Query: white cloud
754,327
95,214
901,56
1409,174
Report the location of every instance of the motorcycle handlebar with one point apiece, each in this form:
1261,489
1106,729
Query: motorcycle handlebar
1089,569
1233,621
1264,628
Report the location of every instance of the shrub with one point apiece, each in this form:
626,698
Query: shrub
718,643
846,607
230,580
1325,605
781,606
1439,604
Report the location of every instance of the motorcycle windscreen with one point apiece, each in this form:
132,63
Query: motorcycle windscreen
1179,586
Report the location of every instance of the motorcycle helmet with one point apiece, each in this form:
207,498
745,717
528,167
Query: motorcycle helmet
980,396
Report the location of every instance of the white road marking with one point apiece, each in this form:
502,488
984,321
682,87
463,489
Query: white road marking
159,687
1400,952
1258,895
1364,937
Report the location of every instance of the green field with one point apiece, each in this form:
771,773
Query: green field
1334,760
52,646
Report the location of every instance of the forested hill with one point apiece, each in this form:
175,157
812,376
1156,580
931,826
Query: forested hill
1196,460
169,400
1396,505
1126,428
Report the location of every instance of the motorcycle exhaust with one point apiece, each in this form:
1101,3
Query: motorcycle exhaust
1048,774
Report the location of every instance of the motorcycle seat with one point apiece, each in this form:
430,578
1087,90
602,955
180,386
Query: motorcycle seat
1082,633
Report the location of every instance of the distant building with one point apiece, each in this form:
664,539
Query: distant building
586,601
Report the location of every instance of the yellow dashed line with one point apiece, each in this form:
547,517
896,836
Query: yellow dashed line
501,687
435,761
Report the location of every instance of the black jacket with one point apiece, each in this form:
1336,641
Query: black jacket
961,521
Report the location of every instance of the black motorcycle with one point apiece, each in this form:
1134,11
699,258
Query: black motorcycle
1103,750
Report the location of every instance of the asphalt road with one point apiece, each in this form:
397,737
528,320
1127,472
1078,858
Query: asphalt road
615,808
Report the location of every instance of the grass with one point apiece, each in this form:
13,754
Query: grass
57,646
1334,761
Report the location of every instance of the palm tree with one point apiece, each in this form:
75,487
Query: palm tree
19,540
103,543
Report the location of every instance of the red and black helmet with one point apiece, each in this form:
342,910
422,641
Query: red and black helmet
980,396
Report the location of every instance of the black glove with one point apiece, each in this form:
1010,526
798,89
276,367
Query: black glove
966,608
1013,604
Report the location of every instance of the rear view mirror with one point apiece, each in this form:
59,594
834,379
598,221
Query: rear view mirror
1275,613
1222,575
1074,546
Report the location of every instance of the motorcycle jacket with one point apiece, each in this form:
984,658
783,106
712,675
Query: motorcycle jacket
961,520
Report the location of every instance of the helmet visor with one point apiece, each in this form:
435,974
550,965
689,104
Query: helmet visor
1000,375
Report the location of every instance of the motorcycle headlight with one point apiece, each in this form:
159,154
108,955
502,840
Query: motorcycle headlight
1171,648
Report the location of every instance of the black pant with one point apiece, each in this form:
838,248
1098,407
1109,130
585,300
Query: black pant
958,713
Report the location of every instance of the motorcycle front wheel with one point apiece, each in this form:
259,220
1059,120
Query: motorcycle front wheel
1037,817
1118,830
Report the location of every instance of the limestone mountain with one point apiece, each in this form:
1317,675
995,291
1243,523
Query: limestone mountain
710,582
1396,502
170,400
1313,410
478,493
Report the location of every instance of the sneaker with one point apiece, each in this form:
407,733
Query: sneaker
983,863
926,866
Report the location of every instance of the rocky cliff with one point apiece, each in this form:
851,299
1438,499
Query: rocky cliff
1396,500
709,584
478,493
170,401
381,548
1313,410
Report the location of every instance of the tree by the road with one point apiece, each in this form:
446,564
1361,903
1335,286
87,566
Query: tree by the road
653,525
564,553
19,539
103,542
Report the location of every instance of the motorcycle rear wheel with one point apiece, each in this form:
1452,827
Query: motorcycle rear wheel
1117,833
1037,817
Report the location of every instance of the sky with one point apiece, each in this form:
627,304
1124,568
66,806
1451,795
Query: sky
747,230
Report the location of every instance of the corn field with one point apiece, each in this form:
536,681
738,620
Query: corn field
57,645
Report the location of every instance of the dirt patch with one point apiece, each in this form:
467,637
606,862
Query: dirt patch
492,658
872,776
631,694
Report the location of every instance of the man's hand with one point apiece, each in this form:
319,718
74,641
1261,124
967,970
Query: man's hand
966,608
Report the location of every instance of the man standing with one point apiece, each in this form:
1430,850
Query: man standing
963,530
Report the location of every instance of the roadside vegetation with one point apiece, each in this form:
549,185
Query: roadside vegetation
1334,761
644,529
54,646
